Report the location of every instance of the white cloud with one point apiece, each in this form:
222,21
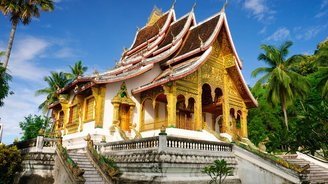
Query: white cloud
311,32
17,106
259,9
263,30
324,4
279,35
64,53
23,59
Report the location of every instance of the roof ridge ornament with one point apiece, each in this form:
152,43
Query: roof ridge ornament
224,7
173,5
201,41
173,35
193,7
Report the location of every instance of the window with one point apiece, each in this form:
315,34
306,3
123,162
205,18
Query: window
89,108
74,115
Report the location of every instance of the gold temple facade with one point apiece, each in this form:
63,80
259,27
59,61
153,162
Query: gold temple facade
177,74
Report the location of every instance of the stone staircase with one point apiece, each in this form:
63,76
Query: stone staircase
316,174
91,174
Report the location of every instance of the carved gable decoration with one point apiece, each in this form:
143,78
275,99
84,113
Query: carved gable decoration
122,96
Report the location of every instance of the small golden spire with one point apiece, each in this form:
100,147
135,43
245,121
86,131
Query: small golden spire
173,5
224,6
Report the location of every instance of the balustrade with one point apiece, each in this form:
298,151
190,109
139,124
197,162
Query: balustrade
163,143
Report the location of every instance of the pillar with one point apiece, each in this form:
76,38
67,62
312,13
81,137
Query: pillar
198,103
99,93
170,92
243,123
225,104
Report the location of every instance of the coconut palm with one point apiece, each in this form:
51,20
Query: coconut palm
283,84
4,82
55,81
77,70
21,11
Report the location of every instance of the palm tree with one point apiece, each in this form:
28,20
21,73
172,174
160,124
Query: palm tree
283,84
55,81
21,11
77,70
4,82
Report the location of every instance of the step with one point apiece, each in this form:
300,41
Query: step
98,179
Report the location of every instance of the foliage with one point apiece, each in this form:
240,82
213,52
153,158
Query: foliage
263,120
218,171
308,116
22,11
55,81
5,78
107,164
283,84
77,70
10,163
32,124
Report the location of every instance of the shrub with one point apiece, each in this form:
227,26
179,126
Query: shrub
219,170
10,163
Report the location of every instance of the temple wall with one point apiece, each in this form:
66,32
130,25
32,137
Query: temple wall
113,88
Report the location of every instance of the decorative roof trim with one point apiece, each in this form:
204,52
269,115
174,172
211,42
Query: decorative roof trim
231,41
163,55
162,31
126,75
192,68
180,35
244,84
205,46
140,57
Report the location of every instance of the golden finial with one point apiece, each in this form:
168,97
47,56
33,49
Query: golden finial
172,7
125,49
193,7
224,6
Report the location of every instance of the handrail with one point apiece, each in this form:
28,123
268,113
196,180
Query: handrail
74,173
109,174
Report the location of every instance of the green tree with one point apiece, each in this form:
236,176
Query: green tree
32,124
77,70
55,81
21,11
283,83
322,60
218,171
4,83
10,163
264,120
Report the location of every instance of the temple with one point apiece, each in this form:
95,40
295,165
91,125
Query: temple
175,103
178,74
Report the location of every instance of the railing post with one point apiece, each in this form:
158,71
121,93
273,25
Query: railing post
162,140
39,141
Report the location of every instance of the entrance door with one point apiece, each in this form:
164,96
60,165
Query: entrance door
125,117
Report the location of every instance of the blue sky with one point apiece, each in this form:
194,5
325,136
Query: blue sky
97,32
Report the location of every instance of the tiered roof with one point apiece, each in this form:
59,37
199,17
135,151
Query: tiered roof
180,47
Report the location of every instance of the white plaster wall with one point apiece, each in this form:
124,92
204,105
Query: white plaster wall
256,170
162,110
149,112
251,173
113,88
209,119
